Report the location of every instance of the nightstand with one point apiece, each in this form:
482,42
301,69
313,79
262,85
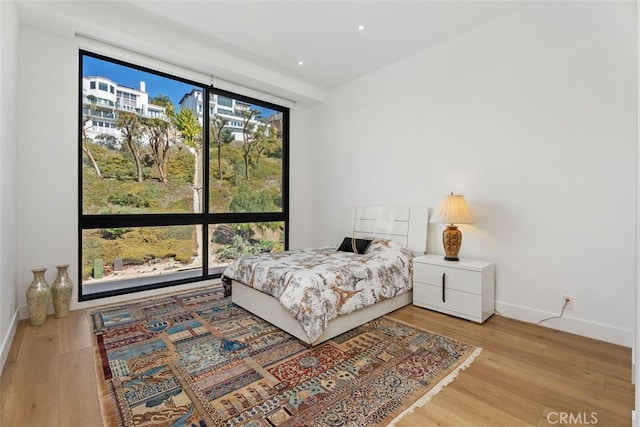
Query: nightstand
462,288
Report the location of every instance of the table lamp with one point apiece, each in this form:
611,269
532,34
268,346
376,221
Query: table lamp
453,210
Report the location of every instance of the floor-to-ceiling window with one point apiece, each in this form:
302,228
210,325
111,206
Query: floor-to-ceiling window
176,178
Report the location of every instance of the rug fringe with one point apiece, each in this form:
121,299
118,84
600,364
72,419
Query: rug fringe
437,388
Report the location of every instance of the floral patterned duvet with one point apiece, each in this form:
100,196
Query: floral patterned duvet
316,285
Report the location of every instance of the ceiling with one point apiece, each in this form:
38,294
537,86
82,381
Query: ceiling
259,44
324,34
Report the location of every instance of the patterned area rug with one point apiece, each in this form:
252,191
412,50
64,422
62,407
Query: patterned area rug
196,359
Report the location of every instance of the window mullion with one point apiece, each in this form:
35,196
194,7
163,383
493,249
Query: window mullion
205,182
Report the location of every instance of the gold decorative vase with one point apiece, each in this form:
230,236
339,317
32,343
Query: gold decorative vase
61,290
38,295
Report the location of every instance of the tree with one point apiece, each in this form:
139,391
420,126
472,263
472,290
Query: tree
163,134
220,135
132,130
267,141
164,101
189,127
249,138
191,131
160,142
86,148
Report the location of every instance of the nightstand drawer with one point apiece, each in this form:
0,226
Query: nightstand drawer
454,279
461,304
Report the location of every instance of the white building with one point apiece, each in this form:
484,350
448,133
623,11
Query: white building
227,108
102,98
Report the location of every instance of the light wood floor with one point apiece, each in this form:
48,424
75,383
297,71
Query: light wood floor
526,375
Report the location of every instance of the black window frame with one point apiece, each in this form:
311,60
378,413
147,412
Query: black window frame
206,219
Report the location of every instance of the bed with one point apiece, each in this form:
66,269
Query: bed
382,276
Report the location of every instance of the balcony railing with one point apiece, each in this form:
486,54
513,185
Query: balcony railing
98,113
129,108
99,130
97,101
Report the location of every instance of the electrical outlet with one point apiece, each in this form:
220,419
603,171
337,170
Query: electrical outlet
569,305
10,309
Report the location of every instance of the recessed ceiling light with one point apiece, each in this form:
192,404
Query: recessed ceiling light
360,27
300,63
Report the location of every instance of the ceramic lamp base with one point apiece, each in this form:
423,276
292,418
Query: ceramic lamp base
452,240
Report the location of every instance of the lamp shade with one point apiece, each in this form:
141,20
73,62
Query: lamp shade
453,209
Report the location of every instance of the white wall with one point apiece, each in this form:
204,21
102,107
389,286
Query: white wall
532,118
301,197
8,175
635,372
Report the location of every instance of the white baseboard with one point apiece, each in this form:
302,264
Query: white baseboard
8,340
566,323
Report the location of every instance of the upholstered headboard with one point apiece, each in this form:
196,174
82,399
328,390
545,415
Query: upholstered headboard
405,225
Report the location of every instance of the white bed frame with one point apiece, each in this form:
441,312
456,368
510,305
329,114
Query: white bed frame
405,225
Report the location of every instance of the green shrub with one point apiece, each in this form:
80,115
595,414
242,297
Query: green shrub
248,200
113,233
132,200
144,244
181,166
117,166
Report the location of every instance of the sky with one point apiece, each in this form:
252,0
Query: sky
155,84
130,77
